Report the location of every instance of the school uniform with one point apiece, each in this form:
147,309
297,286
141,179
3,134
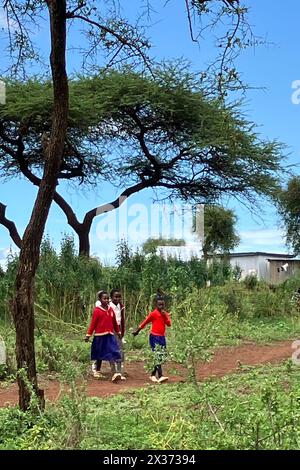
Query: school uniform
157,339
119,311
104,325
158,329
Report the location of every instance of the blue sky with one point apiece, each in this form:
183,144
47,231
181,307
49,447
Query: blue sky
274,67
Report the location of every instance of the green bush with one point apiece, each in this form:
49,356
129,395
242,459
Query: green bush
251,282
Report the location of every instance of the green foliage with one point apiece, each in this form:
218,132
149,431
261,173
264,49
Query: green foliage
202,318
251,281
188,132
67,285
219,230
150,245
288,203
141,276
256,410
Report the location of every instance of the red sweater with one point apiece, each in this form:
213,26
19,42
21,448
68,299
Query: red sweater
159,322
103,322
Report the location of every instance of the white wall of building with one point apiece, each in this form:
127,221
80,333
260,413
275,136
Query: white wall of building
256,264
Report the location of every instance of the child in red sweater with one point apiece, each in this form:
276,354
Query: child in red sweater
104,346
159,319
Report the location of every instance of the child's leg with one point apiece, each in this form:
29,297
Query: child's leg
157,345
96,369
157,369
116,375
120,367
122,359
115,367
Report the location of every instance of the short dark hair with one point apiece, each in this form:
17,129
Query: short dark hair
113,291
160,297
101,293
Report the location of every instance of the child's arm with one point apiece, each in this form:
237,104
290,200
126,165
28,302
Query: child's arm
147,320
167,318
122,320
92,326
136,332
115,324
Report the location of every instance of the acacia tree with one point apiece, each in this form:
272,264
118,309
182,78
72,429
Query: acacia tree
103,29
165,133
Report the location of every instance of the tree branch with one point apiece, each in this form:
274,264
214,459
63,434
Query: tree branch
13,232
190,21
60,201
89,217
141,138
70,14
124,41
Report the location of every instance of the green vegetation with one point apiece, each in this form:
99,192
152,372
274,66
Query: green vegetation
258,409
150,245
227,313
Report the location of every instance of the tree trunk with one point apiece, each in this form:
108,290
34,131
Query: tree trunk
84,240
23,304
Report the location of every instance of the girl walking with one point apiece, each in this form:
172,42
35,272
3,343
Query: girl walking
104,346
159,319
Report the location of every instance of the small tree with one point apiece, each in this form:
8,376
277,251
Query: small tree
219,230
288,203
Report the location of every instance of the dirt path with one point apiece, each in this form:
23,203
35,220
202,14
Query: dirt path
225,361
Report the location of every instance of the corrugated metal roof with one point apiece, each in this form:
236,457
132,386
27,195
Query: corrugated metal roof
259,253
282,259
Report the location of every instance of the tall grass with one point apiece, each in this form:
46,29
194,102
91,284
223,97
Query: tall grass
67,285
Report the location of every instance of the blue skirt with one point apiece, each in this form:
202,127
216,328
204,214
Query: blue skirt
157,340
158,346
105,348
